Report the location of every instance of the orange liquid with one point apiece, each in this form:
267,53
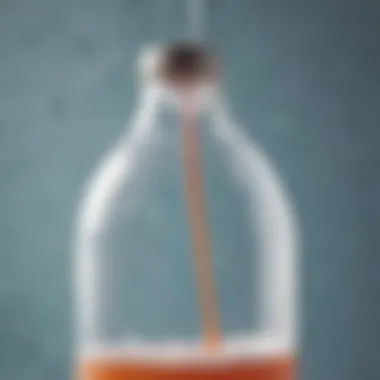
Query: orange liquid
269,369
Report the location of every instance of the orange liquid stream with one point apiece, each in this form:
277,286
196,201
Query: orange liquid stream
200,236
267,369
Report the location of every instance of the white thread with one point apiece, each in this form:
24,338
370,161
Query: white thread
195,18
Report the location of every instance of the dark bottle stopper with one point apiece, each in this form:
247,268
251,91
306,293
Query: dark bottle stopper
186,63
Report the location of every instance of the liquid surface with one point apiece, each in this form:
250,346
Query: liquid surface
263,369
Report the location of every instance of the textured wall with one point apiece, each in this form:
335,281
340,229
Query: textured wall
303,77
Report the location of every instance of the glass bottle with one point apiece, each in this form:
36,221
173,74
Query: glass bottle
186,241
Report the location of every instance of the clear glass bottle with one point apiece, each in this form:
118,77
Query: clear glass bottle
186,241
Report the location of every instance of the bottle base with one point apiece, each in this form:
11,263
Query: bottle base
107,369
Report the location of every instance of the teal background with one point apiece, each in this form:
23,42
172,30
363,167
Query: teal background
302,76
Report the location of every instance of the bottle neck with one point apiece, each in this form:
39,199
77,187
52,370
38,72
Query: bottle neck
196,101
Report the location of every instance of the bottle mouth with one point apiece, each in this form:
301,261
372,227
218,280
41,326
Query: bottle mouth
182,74
187,64
179,66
